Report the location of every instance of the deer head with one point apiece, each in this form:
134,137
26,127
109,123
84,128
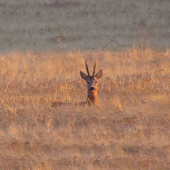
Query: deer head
92,81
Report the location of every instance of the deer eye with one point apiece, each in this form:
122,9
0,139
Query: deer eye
87,82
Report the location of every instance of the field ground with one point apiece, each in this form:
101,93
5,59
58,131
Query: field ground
129,129
64,25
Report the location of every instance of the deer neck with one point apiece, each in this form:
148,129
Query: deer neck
92,97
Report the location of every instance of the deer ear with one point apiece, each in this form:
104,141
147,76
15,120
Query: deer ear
83,75
99,74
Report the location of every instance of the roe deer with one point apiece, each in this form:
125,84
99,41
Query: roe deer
92,86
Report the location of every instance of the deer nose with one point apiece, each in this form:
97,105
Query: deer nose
92,88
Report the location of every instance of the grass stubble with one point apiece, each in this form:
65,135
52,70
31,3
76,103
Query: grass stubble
64,25
129,129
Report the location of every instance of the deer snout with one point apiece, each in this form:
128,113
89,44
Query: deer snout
92,88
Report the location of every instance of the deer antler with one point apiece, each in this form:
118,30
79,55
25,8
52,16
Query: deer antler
87,68
94,67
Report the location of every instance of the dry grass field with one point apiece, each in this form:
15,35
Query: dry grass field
43,47
129,129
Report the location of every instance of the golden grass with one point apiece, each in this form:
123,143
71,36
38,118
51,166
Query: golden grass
129,129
